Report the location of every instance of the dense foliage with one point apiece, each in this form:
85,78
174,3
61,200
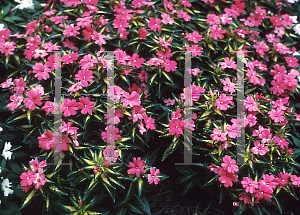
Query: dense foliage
111,155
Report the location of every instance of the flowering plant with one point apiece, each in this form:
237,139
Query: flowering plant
146,45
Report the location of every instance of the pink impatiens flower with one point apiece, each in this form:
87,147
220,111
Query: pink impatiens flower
154,24
259,149
69,107
228,63
131,99
227,178
228,85
111,155
135,61
249,184
169,65
31,27
69,58
216,32
217,135
176,127
137,167
85,105
16,101
152,177
34,98
87,62
229,164
276,115
27,178
42,71
36,166
46,141
84,76
250,104
71,30
263,192
7,48
222,103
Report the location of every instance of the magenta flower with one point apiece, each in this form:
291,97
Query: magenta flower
16,101
246,198
227,178
196,51
222,103
69,107
269,180
166,19
71,30
137,167
229,164
249,184
261,48
67,128
263,192
216,32
135,61
39,181
111,155
48,107
7,83
169,101
131,99
31,27
295,180
36,166
46,141
143,33
169,65
42,71
7,48
111,134
292,62
183,15
27,178
149,122
259,149
228,86
99,38
69,58
152,177
228,64
85,76
154,24
34,98
276,115
85,105
176,126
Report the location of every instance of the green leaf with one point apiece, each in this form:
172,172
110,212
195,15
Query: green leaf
278,204
28,199
140,186
143,204
135,209
168,77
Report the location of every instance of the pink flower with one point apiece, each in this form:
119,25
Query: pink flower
194,37
67,128
99,38
228,63
169,65
295,180
42,71
283,179
261,48
217,135
46,141
169,101
292,62
227,178
69,58
176,126
229,164
39,181
259,149
69,107
263,192
85,105
154,24
120,24
137,167
34,98
249,184
246,198
216,32
138,3
231,130
183,15
71,30
36,166
155,61
228,86
276,115
223,102
84,76
16,101
269,180
84,22
250,104
152,177
196,51
131,99
7,48
213,19
166,19
27,178
281,141
278,85
143,33
149,122
69,44
31,27
110,134
135,61
87,61
7,83
111,155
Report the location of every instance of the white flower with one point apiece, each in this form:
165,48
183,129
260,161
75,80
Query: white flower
6,187
24,4
6,153
43,5
1,129
292,1
296,28
294,18
298,78
2,27
296,54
